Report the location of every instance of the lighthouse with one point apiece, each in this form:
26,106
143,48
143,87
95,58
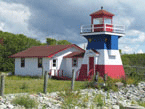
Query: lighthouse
102,54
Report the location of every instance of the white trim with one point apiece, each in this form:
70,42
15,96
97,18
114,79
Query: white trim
115,28
96,33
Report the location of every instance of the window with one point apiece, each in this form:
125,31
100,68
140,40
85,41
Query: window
22,62
97,21
107,21
74,62
39,62
54,62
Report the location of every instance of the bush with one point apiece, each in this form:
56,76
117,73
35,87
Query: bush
110,84
130,81
25,101
90,84
141,103
98,99
70,99
124,81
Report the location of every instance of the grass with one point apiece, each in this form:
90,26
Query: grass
98,99
25,101
70,99
141,103
18,84
110,84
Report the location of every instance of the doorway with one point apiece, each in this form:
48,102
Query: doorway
91,63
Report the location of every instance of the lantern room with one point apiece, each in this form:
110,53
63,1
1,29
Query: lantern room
102,21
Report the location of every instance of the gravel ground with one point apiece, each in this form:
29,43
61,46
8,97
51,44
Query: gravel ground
125,96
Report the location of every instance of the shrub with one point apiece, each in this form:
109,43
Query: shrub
70,99
91,82
130,81
84,101
110,84
98,99
100,80
124,81
25,101
141,103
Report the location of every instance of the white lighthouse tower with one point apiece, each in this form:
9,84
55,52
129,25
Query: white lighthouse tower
102,54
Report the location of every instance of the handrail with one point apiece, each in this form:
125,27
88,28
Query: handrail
50,72
77,75
90,73
56,72
103,27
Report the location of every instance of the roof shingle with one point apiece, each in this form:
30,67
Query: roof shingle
101,12
44,51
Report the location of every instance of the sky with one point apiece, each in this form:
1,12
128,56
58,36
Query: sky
62,19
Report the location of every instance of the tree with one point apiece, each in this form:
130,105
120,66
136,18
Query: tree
63,42
55,42
51,41
13,44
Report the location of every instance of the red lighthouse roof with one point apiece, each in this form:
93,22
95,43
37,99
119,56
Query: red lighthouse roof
102,12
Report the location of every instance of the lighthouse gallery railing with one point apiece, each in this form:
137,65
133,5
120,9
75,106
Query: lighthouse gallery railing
102,28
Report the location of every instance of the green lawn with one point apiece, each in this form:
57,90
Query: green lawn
17,84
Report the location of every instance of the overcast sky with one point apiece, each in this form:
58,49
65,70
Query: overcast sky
61,19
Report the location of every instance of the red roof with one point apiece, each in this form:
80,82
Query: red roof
75,55
102,12
44,51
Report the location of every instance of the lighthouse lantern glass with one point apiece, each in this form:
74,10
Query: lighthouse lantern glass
98,21
107,21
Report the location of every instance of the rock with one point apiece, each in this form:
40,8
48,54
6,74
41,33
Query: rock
9,106
123,97
10,73
3,106
49,104
115,107
119,84
134,107
95,84
53,94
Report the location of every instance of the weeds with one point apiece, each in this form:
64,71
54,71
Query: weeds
84,101
24,86
141,103
98,99
110,84
25,101
70,99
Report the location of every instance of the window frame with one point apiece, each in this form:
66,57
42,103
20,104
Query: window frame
73,63
98,21
22,62
107,21
54,63
40,63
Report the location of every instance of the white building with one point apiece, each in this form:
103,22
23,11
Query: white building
60,60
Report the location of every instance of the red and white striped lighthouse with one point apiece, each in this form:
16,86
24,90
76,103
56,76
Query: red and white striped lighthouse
102,53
